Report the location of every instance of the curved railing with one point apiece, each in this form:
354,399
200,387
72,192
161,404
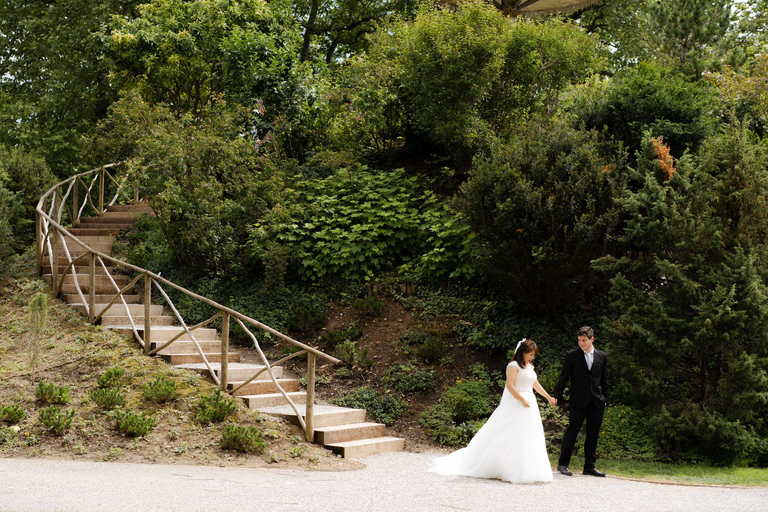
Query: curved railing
63,203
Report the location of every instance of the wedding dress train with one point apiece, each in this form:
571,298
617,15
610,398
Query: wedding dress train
510,446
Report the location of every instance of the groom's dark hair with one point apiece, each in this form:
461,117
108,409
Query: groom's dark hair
585,331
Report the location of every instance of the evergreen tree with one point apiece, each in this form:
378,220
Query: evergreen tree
691,297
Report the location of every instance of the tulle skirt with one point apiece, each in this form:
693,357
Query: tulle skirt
510,446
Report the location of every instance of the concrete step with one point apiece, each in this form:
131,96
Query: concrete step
95,231
101,289
325,415
80,266
136,309
352,432
365,447
141,207
103,300
124,320
111,218
162,333
263,387
101,280
175,359
188,347
103,227
270,400
238,371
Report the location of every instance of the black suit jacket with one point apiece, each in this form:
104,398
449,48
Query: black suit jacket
586,385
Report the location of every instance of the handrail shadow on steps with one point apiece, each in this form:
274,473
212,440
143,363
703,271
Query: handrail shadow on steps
50,234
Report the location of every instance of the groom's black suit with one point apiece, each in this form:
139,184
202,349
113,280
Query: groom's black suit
589,396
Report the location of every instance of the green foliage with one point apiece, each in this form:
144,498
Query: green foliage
333,339
432,348
649,97
690,298
12,413
410,379
57,420
368,306
455,80
348,352
542,208
113,377
185,54
381,407
462,408
49,393
108,398
160,390
215,408
351,225
133,424
306,318
242,439
627,434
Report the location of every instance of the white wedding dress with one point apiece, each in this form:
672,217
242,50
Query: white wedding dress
510,446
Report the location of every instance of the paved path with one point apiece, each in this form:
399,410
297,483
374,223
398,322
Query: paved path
390,482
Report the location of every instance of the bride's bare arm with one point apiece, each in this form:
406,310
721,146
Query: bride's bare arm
539,389
511,378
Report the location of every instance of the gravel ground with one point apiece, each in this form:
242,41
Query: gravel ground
389,482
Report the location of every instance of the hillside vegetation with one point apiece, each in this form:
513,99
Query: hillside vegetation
488,178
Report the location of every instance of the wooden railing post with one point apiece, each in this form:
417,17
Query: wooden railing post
76,205
147,313
40,244
224,375
91,286
310,410
101,191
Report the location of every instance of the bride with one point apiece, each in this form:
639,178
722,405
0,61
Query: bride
510,446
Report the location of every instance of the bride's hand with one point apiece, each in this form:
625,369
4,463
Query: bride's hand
552,401
525,403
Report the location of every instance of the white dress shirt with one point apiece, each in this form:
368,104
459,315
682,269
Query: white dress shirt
590,357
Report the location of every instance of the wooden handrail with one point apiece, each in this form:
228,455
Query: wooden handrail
50,233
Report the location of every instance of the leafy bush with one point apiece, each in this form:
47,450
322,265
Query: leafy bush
12,414
49,393
369,306
305,319
437,420
215,408
333,338
348,352
433,348
160,390
108,398
384,408
56,420
112,378
134,424
242,439
409,379
542,208
626,434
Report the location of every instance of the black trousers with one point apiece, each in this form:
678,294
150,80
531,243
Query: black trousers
594,416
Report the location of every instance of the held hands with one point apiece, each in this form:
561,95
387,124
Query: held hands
552,401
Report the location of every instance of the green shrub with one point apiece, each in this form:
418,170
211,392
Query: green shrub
12,413
369,306
408,379
433,348
108,398
242,439
215,408
56,420
306,318
48,393
437,420
292,349
160,390
384,408
626,434
348,352
133,424
333,338
468,400
112,378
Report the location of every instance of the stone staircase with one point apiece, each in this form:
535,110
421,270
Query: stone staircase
340,429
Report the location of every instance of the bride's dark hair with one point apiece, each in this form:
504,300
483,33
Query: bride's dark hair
525,347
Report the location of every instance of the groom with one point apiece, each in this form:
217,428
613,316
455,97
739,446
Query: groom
587,369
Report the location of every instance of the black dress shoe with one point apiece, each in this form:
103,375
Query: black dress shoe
592,472
565,471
